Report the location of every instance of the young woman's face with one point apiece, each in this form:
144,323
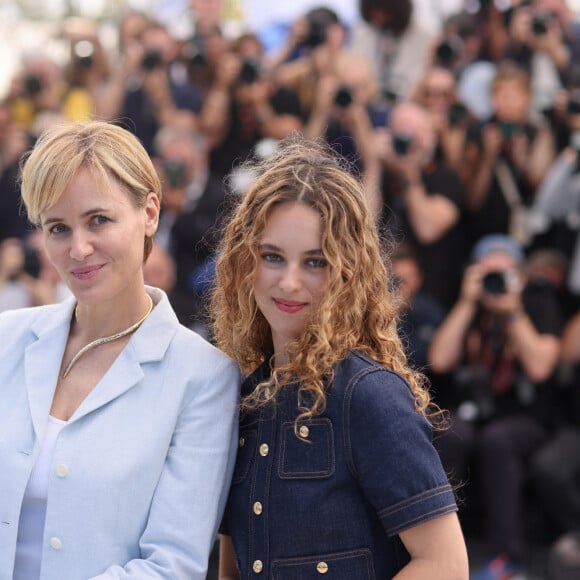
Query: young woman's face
94,236
292,273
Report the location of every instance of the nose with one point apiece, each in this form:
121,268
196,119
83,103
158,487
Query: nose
290,279
80,246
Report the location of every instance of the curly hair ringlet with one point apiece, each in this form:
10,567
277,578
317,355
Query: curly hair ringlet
357,312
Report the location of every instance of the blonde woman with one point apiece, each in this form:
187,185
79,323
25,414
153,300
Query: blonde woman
336,473
117,425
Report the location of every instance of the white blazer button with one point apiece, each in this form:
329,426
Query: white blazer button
56,543
257,566
61,470
322,567
264,449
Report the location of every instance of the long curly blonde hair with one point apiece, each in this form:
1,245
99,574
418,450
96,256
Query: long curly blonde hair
357,311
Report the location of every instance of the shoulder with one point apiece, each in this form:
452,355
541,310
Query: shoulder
21,320
362,378
163,338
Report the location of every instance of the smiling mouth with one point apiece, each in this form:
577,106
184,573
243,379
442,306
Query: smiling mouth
86,273
289,306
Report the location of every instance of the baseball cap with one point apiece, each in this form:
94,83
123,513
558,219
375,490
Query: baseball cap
497,243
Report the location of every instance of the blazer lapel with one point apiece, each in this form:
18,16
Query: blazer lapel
42,360
148,344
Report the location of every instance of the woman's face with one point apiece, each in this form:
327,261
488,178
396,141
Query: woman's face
292,273
511,101
94,236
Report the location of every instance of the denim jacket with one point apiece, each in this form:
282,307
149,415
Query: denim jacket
333,499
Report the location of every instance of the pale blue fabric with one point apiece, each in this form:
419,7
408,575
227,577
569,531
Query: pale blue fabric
148,455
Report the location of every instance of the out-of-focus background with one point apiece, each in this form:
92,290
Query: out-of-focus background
462,117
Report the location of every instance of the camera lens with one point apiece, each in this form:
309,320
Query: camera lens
402,143
151,60
343,97
249,72
33,85
495,282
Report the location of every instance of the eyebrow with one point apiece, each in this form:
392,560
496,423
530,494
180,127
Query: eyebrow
87,213
273,248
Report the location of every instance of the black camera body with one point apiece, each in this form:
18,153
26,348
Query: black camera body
33,85
573,106
448,50
402,143
540,22
495,282
508,129
343,97
316,33
249,71
152,59
456,114
176,173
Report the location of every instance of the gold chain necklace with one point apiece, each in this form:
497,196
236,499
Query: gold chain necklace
106,339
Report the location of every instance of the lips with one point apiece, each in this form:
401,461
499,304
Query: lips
86,273
289,306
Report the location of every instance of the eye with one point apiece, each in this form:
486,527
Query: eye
57,229
317,263
99,220
271,257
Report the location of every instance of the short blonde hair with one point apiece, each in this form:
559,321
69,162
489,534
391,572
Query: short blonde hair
107,150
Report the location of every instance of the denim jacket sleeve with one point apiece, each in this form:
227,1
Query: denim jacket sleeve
390,451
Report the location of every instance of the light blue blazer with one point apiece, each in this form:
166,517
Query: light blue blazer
141,470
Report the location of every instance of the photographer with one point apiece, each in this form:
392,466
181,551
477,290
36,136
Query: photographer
244,106
557,204
151,89
451,119
501,342
421,199
541,39
506,157
190,210
344,112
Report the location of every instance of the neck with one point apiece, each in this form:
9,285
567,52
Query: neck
96,321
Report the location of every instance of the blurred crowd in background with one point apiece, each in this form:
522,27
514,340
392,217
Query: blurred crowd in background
464,125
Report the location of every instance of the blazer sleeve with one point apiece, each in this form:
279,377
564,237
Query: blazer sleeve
191,493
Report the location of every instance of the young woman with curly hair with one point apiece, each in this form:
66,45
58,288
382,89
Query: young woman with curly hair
336,473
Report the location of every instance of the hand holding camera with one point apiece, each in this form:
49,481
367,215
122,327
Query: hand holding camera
501,291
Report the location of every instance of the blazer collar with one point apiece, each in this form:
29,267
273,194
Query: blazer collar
43,357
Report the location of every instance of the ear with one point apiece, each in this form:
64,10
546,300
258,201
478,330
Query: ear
152,208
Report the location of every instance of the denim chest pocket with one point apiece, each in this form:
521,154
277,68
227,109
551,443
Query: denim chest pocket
309,453
350,565
246,452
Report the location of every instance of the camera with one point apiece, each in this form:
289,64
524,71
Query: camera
316,33
176,173
495,282
456,114
249,71
448,50
402,143
508,129
573,106
540,23
343,97
33,85
152,59
84,51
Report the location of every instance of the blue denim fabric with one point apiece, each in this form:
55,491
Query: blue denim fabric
333,500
